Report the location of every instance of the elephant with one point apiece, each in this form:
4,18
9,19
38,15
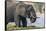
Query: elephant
22,12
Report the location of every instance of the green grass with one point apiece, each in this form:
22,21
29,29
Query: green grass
23,28
13,27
